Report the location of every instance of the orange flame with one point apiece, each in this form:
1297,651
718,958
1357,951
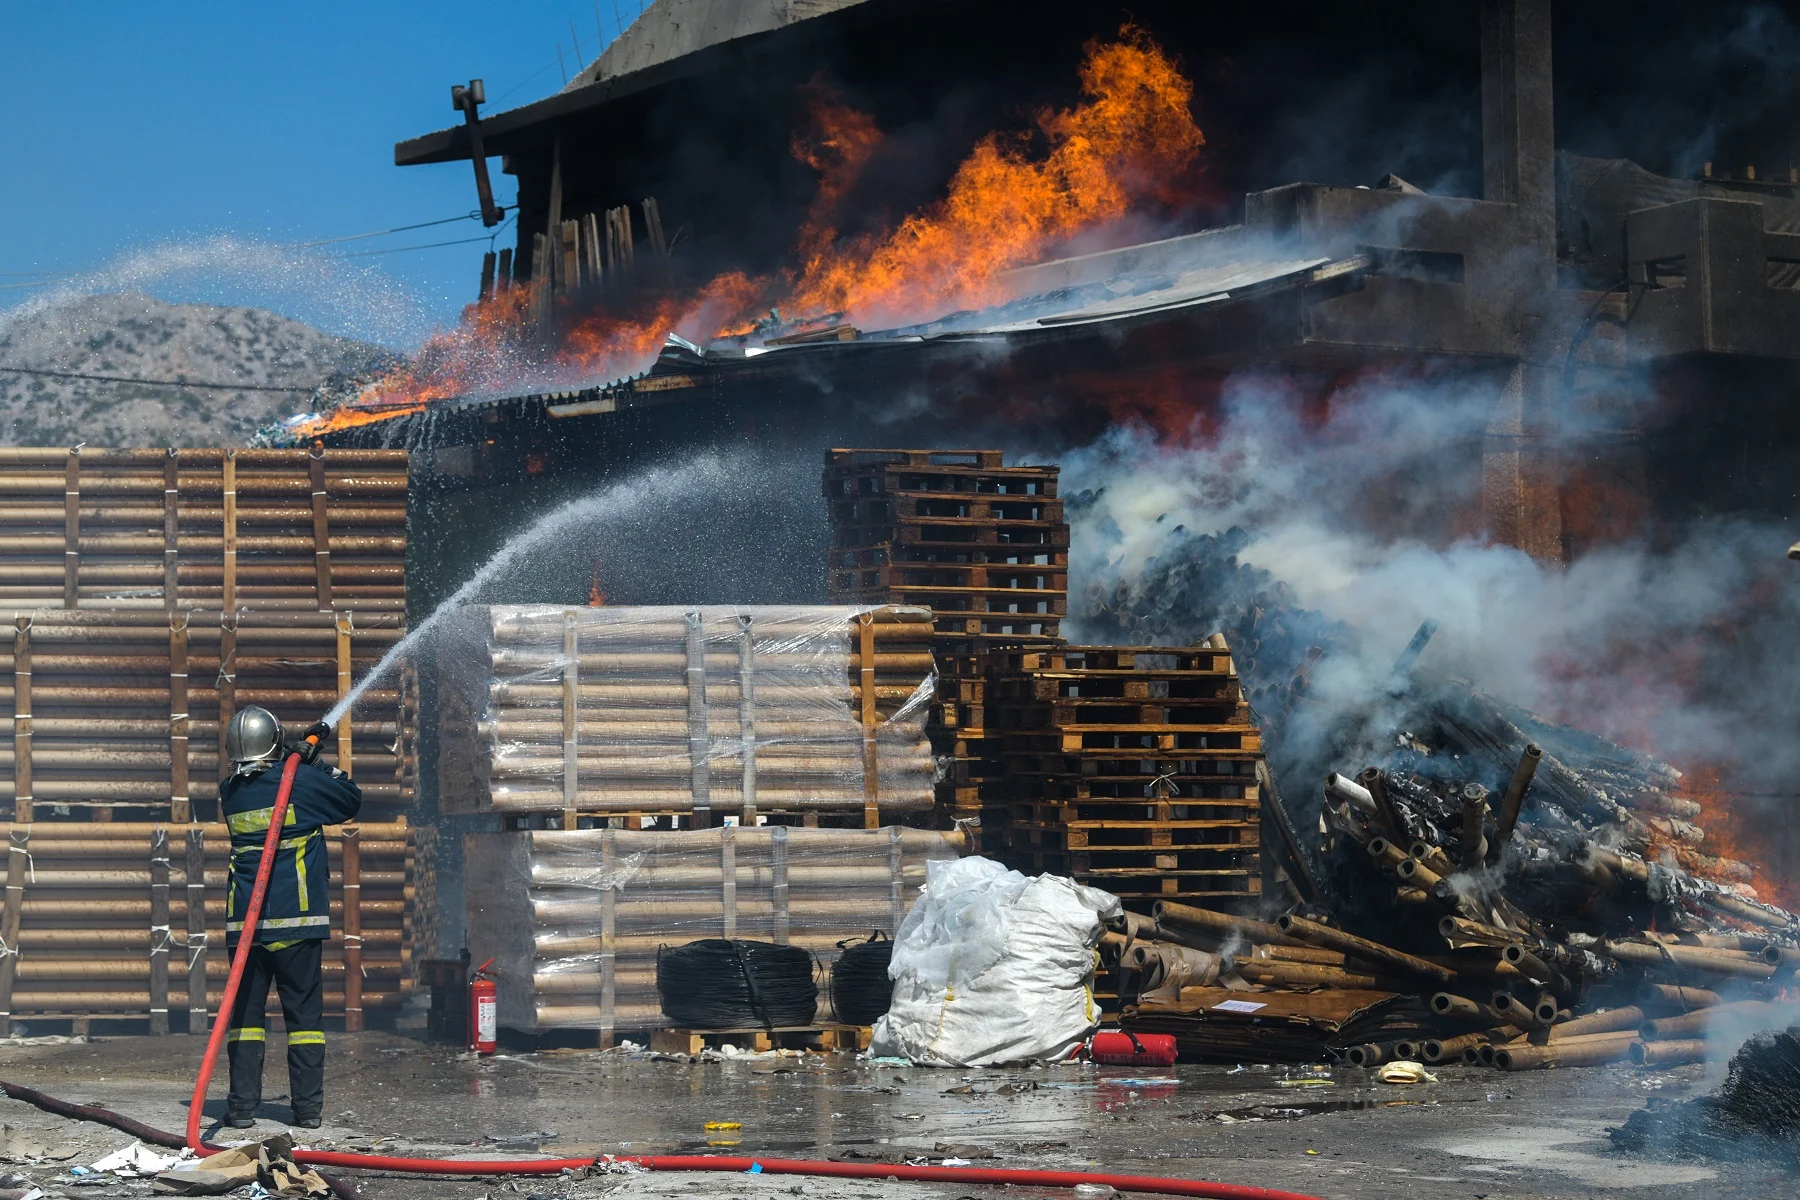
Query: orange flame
1012,201
1736,837
1133,135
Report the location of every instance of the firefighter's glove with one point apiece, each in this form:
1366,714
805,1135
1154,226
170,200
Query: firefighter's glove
312,742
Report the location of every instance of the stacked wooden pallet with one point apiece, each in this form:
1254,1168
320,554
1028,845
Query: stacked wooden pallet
1131,768
126,920
121,712
203,529
684,715
576,919
985,547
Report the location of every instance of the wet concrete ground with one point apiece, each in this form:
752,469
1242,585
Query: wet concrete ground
1475,1135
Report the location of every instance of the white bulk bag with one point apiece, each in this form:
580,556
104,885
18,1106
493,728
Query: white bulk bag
991,967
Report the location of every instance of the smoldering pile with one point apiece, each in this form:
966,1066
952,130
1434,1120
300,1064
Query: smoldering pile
1558,877
1755,1112
1488,886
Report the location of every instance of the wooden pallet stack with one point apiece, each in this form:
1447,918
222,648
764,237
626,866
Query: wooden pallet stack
688,716
126,921
575,918
1132,769
986,548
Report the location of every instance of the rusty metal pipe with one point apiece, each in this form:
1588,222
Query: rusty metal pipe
1474,816
1514,802
1375,783
1573,1052
1336,939
1514,1011
1461,1008
1659,1029
1170,914
1691,958
1674,996
1669,1053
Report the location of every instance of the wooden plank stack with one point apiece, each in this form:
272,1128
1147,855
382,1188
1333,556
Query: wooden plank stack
223,530
576,918
985,547
126,920
1131,768
688,715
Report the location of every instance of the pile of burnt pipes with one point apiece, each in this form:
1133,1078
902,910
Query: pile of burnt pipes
1544,893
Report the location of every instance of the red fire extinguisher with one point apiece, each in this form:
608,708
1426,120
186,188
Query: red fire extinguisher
484,1011
1121,1049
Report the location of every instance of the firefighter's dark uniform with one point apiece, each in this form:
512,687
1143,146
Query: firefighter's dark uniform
295,922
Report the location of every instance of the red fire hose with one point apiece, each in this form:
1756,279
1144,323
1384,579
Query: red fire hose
655,1162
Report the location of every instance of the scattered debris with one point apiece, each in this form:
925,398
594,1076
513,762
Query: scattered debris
137,1160
268,1165
1405,1071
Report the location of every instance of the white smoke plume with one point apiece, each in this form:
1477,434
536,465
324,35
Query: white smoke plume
1682,646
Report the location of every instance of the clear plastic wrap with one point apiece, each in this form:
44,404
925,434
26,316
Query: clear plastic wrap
734,710
574,918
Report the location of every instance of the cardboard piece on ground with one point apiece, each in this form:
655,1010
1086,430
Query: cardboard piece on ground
17,1146
213,1175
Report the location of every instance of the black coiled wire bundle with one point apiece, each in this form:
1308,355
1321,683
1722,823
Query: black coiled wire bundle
728,984
860,990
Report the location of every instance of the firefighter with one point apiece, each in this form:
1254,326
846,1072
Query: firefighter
296,913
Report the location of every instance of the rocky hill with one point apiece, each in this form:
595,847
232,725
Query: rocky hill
141,336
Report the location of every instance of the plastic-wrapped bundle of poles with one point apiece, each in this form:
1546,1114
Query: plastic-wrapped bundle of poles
220,529
703,711
575,919
127,920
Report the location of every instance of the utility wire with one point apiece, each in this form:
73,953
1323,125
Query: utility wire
473,215
515,87
53,277
173,383
404,249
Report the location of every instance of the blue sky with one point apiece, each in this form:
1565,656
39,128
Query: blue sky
165,146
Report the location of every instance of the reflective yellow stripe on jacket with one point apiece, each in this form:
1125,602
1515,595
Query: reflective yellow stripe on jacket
257,820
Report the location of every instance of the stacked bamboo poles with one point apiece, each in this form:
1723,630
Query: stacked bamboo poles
214,529
1131,768
696,713
125,709
986,548
127,920
575,919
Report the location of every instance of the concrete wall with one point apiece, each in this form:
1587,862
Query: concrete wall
669,29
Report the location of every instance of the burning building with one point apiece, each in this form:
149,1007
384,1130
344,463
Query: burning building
716,174
900,222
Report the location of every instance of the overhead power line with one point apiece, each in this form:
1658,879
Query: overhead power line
171,383
474,215
404,249
45,278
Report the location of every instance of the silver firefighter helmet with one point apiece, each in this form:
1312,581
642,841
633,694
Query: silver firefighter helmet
253,739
